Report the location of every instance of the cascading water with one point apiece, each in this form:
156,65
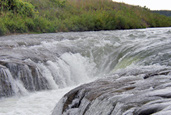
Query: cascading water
55,63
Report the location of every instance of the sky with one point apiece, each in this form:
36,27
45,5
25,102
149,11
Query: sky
151,4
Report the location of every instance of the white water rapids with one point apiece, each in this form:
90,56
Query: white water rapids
37,70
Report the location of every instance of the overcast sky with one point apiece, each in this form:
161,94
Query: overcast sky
151,4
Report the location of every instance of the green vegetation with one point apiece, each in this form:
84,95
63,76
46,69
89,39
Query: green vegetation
163,12
27,16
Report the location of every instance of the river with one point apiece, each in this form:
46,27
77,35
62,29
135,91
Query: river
36,70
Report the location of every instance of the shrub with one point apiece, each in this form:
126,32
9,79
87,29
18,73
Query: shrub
15,24
18,6
24,8
3,29
41,24
30,24
58,3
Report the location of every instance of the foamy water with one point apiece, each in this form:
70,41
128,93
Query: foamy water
39,69
37,103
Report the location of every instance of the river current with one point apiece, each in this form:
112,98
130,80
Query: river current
36,70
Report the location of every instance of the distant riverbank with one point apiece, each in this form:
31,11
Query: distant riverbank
50,16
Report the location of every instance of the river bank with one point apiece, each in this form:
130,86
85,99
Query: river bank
51,16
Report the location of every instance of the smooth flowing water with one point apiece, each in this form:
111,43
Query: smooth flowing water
37,70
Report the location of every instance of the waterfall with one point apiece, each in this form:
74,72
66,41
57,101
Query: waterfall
31,64
68,70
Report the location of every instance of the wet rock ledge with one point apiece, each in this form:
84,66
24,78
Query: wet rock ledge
130,93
